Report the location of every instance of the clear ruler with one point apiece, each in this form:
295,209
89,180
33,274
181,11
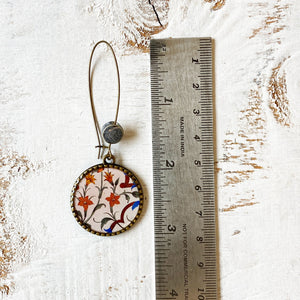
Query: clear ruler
183,168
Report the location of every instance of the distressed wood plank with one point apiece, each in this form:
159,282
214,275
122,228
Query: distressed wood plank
47,139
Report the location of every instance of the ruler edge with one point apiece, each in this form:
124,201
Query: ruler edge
215,178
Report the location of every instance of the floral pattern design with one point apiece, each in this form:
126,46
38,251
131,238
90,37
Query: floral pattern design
85,202
107,199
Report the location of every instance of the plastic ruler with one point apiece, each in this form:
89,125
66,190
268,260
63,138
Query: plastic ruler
183,168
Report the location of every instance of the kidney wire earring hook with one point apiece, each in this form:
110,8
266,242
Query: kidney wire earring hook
107,198
112,131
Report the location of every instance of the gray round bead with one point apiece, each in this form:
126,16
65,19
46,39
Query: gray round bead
112,133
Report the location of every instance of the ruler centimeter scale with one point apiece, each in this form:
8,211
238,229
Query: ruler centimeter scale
183,169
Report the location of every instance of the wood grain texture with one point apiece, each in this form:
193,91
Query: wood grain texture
47,139
217,4
279,103
135,21
14,244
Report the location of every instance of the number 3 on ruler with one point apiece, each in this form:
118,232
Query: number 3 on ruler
172,228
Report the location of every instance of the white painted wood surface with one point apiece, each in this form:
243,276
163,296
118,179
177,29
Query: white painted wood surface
47,139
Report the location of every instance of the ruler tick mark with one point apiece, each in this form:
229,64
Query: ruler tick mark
172,137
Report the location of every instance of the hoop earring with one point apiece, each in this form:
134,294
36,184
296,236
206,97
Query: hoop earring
107,198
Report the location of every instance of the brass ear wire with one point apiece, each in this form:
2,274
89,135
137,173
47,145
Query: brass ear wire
100,138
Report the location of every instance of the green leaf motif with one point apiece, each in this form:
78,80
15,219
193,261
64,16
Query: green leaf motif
115,214
127,197
98,206
79,214
104,221
101,190
117,181
135,194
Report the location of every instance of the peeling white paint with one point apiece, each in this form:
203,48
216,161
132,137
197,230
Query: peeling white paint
45,115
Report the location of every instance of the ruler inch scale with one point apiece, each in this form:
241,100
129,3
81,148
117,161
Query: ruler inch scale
183,169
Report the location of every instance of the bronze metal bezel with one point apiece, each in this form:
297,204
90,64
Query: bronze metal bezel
112,166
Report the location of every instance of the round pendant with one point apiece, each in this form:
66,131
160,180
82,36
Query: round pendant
107,199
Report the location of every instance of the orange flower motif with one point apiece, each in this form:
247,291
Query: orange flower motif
113,199
89,179
100,170
108,177
85,202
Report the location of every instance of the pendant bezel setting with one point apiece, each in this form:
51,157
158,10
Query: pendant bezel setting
126,171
